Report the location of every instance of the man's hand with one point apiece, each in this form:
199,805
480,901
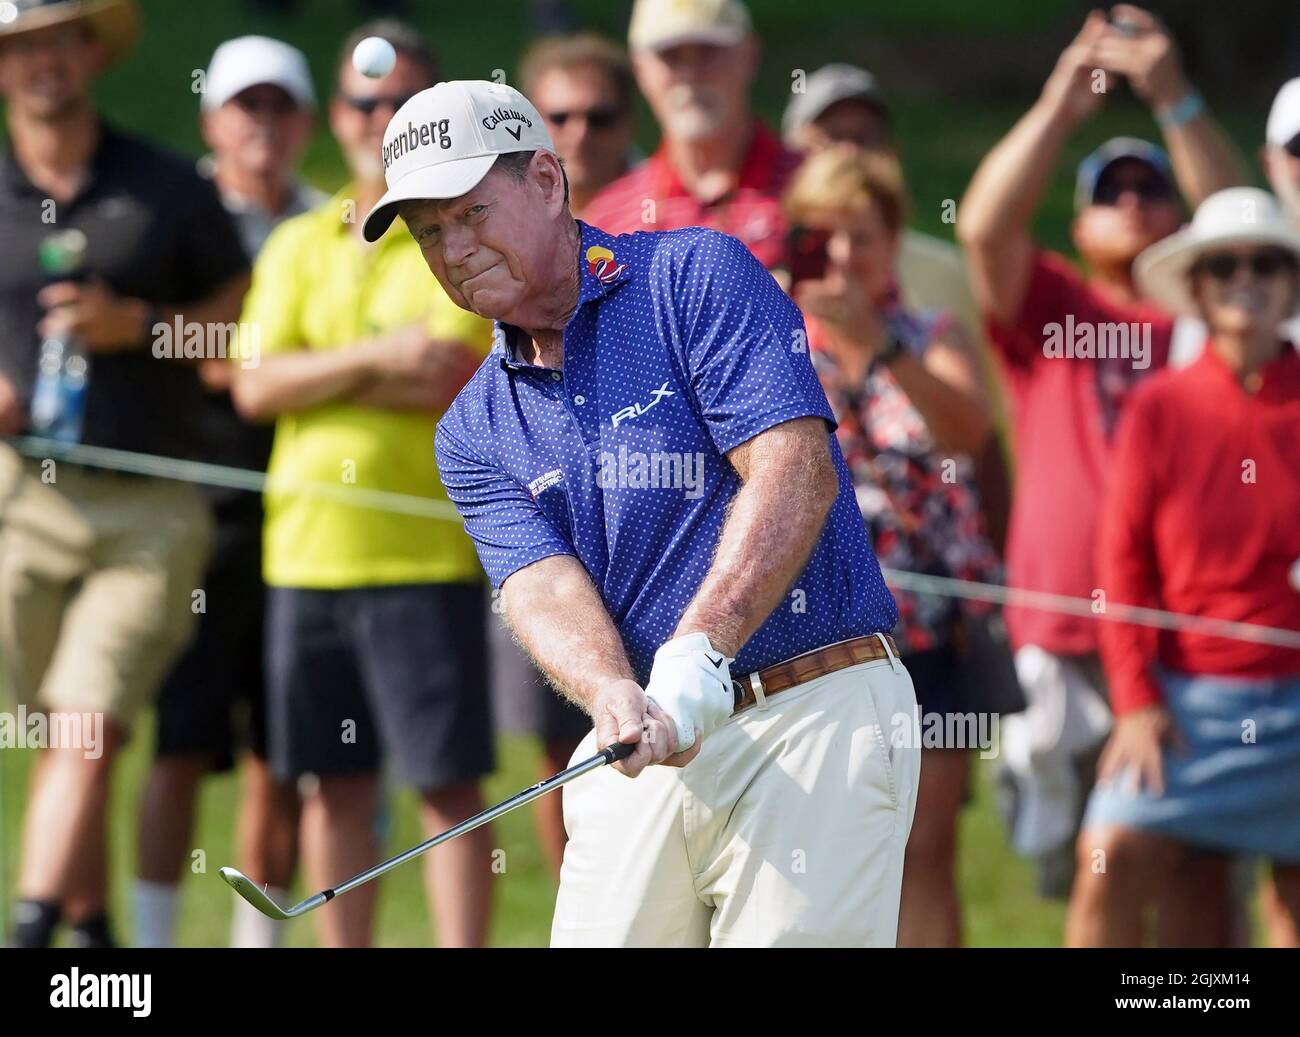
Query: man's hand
622,714
843,305
1146,56
1071,90
414,370
1136,747
690,683
104,321
13,415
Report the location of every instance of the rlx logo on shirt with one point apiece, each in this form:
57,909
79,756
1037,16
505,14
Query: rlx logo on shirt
637,410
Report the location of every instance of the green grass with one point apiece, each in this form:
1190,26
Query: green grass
1001,908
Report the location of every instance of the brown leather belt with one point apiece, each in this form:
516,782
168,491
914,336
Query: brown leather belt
802,668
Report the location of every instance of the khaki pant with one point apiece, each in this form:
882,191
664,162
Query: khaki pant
97,576
787,830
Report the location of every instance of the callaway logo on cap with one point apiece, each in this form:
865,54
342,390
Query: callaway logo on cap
444,140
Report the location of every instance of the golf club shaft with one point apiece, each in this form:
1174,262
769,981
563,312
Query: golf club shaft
609,754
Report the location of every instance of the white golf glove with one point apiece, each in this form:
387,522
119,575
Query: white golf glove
692,684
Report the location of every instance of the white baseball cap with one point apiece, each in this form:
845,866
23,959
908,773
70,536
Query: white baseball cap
444,140
1233,216
661,24
253,61
1284,116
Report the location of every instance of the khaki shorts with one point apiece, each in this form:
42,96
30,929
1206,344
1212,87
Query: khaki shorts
97,576
787,830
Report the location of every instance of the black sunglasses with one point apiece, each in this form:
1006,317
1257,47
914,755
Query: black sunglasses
596,118
1267,262
369,105
1148,189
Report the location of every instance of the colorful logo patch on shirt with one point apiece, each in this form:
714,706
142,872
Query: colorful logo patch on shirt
600,261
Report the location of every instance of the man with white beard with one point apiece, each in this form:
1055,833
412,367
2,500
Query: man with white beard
717,165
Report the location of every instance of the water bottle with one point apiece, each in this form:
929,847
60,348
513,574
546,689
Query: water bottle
59,395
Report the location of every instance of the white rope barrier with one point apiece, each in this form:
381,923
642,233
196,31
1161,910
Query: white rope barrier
408,504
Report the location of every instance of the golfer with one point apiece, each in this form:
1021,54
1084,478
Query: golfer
645,464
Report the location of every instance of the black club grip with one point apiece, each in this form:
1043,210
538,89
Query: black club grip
618,751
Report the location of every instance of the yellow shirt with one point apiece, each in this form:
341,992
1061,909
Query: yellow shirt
316,286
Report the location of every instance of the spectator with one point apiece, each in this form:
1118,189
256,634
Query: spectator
1280,158
1206,746
97,568
904,386
1280,155
1065,406
842,104
717,165
376,619
257,115
583,87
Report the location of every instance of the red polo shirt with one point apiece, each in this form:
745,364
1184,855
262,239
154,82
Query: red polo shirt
1202,516
1062,409
652,197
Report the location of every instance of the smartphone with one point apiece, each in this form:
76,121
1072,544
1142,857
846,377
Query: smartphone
806,255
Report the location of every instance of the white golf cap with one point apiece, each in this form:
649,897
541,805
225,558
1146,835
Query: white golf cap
660,24
444,140
1284,117
253,61
1235,216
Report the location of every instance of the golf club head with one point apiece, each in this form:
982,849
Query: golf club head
250,891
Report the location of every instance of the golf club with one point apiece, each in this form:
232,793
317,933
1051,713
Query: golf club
256,896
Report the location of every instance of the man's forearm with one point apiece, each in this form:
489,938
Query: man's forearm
295,381
1204,160
557,614
769,534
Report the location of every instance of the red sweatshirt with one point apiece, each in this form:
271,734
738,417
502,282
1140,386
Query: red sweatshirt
1063,408
1202,516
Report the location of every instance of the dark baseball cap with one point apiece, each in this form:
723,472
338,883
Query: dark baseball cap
1117,149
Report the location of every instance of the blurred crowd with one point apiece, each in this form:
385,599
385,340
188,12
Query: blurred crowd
325,647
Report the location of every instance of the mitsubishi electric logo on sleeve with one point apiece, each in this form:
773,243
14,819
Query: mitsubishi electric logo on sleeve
96,990
544,482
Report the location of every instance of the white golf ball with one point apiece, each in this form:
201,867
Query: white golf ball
374,57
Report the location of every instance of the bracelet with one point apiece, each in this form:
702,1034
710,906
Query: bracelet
1182,111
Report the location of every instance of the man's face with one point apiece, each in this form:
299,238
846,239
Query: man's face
590,129
1134,205
1245,289
261,130
362,108
1282,167
851,121
48,72
493,247
695,89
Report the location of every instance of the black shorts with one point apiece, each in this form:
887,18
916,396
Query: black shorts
522,699
213,702
365,674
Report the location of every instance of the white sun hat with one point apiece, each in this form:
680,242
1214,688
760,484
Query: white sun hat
443,141
1235,216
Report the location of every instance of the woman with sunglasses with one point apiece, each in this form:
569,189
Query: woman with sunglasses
905,389
1202,518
